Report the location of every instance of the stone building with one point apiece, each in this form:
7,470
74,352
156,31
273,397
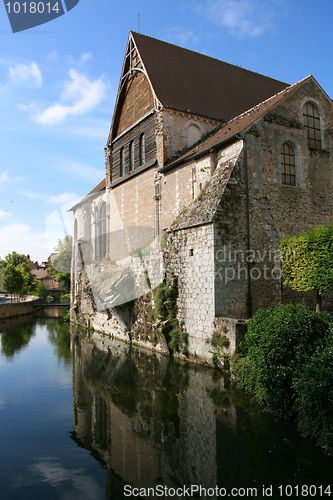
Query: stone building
207,166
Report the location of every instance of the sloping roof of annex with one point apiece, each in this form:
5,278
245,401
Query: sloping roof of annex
101,186
233,128
203,209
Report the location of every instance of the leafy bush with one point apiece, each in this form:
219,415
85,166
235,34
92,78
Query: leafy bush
65,298
314,398
307,261
277,345
165,301
66,316
166,310
220,342
178,339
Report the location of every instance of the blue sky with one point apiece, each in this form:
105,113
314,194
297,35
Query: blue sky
58,84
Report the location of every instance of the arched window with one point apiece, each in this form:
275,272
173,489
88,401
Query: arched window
193,134
311,120
122,162
101,232
131,155
288,169
142,149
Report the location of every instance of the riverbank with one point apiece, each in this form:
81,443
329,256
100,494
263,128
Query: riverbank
11,310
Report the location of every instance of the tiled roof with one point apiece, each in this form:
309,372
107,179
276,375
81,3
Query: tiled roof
100,187
192,82
40,274
232,128
205,207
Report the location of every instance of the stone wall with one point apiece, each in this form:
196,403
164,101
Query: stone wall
278,210
182,185
190,259
181,130
17,308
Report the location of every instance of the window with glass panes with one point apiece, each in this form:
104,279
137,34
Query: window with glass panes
122,162
311,120
142,149
131,155
288,165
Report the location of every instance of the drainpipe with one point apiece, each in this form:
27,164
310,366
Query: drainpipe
248,244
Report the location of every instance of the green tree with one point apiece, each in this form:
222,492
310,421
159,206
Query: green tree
30,280
20,263
12,280
59,266
13,258
40,290
307,261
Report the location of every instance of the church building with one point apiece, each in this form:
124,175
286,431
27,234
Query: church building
207,167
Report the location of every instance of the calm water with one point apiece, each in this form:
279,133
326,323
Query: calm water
80,421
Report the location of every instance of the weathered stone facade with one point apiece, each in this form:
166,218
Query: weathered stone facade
202,202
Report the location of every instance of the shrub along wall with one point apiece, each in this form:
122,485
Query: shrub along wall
286,360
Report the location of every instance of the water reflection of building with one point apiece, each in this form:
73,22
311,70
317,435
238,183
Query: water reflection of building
147,419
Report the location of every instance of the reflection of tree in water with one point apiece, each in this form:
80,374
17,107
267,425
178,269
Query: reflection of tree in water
269,450
13,341
59,336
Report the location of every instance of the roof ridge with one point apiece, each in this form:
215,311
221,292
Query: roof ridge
205,55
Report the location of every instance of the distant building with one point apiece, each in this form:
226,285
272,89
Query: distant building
47,280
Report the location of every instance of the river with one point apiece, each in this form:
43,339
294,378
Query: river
83,416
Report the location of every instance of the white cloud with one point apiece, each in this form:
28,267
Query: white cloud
53,55
4,177
4,215
78,485
73,61
26,73
20,238
80,96
243,17
85,56
63,198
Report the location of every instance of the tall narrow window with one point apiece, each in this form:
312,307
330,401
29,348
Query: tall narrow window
288,165
131,155
194,180
122,162
311,120
142,149
101,231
